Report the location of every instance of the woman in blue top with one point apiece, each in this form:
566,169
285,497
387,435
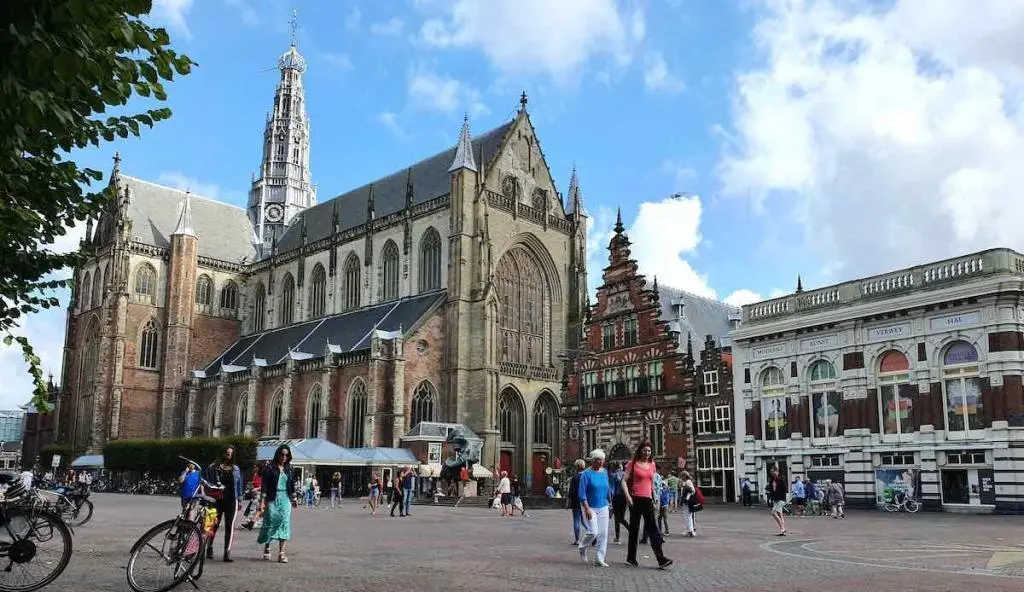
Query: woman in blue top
595,496
278,492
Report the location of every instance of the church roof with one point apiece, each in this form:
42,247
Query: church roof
224,230
345,332
430,180
701,317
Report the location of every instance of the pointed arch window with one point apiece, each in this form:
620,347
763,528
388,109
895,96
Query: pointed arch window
287,316
211,419
510,418
204,290
86,291
545,421
430,261
98,286
148,343
523,297
422,408
229,296
352,287
276,414
313,412
389,272
145,283
87,384
259,308
318,292
242,413
356,413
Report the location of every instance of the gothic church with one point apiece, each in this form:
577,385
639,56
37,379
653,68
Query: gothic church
445,291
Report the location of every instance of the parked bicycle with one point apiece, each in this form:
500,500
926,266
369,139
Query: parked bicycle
899,501
35,543
177,546
71,504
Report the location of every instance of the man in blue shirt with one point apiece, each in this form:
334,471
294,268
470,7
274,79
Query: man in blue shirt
189,480
595,495
797,489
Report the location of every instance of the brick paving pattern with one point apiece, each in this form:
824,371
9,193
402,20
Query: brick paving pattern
471,549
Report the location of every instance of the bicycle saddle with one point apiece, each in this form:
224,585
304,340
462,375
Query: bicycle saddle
209,501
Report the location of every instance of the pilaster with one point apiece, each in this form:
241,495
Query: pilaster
329,420
192,410
398,393
372,384
253,425
218,406
287,418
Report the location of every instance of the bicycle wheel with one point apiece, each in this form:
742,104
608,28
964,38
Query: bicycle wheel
316,500
173,548
82,515
36,546
912,506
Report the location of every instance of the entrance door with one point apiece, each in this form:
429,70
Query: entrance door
505,463
540,479
730,486
954,487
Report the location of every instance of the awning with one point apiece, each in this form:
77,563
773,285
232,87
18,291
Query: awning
385,457
308,451
88,461
479,471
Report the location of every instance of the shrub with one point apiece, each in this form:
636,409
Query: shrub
162,456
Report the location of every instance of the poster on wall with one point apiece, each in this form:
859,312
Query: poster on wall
776,423
818,477
826,414
888,482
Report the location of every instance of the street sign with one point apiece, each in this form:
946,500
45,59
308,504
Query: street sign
56,461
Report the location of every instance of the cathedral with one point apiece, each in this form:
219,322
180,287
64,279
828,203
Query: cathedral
447,291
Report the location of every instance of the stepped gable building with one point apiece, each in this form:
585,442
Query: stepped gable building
443,292
636,376
905,381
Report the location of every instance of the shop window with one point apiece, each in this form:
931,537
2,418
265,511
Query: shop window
962,387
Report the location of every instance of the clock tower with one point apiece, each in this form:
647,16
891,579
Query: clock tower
283,187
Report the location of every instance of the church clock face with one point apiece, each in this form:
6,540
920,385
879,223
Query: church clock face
274,213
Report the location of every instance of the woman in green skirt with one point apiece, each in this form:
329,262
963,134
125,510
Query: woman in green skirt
278,493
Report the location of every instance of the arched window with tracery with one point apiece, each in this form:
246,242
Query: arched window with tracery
352,288
523,296
389,271
545,420
317,292
229,296
98,286
87,384
313,412
276,415
145,283
430,261
85,293
149,341
422,407
356,413
204,290
242,413
287,300
259,308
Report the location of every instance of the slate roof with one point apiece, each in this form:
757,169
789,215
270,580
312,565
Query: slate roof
224,230
430,180
349,331
701,317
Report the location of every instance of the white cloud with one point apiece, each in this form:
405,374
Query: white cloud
179,180
245,11
665,231
892,136
389,119
354,18
173,13
433,92
682,174
741,297
388,28
338,61
657,77
537,36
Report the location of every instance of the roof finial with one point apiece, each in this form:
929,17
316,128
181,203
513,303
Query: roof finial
294,22
117,161
523,100
618,221
463,150
799,284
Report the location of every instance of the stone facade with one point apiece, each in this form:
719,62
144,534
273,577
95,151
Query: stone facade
910,380
443,292
636,376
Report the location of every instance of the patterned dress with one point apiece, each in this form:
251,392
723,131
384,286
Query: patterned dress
277,521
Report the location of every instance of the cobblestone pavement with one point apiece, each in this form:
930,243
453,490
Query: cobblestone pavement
472,550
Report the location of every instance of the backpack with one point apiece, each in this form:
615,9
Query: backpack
696,501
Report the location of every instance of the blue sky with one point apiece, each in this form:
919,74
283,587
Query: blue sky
830,138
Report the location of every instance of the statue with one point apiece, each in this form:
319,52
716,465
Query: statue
464,454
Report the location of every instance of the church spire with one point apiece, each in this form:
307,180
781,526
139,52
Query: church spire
283,186
464,150
184,227
574,202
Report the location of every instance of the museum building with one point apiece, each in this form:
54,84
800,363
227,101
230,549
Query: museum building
908,381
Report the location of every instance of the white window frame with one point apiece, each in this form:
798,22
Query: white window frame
821,387
962,373
723,419
656,434
711,383
891,380
655,376
703,417
769,392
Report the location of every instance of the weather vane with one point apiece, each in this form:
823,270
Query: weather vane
294,22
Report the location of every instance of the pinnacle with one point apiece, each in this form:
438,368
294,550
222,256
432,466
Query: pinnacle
464,150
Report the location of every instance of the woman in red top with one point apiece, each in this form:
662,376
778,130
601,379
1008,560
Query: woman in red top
638,487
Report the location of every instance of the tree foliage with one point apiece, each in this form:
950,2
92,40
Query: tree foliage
161,456
65,63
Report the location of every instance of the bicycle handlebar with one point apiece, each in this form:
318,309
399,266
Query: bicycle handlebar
202,479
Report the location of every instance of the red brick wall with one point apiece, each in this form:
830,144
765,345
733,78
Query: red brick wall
210,337
424,366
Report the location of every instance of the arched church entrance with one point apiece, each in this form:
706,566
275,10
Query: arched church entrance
512,426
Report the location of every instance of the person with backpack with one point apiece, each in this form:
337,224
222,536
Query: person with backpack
693,502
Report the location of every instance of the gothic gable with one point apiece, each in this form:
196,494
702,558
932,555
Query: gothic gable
520,170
